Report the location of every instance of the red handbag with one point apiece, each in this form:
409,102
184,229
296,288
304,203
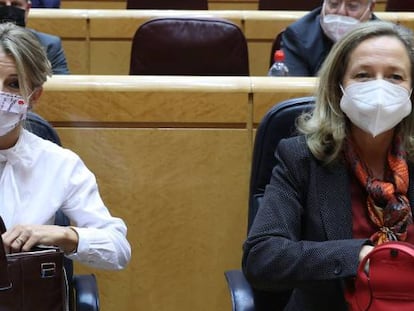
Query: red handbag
389,283
32,281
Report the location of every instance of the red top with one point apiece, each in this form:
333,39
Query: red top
362,226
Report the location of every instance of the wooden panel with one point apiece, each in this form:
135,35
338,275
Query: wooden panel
183,195
172,158
213,4
267,91
259,56
232,5
403,18
102,4
144,99
181,189
110,57
79,64
124,23
107,34
121,4
72,27
265,25
62,23
166,100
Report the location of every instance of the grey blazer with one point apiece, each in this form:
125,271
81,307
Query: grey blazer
301,238
54,50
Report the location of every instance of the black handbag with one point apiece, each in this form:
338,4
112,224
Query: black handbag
32,281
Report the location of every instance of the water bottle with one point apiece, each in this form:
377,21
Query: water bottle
278,69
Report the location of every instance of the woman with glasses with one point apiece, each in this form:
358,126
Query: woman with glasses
307,42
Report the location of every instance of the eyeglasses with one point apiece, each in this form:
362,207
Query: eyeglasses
350,6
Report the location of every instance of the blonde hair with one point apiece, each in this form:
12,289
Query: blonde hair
326,127
32,64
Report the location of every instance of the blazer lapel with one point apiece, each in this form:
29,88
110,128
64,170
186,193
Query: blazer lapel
333,190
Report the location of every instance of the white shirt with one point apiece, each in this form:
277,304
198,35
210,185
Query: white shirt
39,177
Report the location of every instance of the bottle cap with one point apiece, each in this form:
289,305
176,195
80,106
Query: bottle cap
279,56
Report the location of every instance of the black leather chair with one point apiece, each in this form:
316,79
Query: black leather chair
83,289
168,4
189,46
400,5
298,5
278,123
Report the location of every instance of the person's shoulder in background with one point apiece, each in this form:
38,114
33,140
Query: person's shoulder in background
305,44
54,51
46,4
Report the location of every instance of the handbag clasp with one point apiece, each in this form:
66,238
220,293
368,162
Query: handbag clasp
47,270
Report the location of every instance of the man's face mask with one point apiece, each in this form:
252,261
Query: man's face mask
13,109
375,106
335,26
12,14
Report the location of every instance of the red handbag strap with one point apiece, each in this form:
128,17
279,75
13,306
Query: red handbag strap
361,297
4,277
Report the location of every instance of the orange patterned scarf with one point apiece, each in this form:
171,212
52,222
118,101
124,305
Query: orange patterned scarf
388,206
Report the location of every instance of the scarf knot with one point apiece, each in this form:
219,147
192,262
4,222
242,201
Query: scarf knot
387,202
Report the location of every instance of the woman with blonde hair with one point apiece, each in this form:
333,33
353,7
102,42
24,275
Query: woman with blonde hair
38,177
346,183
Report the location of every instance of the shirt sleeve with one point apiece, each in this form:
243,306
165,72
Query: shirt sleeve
102,237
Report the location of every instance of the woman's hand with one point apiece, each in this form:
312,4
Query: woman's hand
365,250
22,238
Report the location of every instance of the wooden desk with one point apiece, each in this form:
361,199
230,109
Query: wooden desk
99,41
213,4
172,158
121,4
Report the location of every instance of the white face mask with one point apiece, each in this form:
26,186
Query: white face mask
336,26
375,106
13,109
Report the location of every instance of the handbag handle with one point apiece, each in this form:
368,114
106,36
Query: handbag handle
362,296
394,248
4,276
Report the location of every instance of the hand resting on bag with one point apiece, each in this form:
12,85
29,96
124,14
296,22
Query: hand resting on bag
22,238
27,206
365,250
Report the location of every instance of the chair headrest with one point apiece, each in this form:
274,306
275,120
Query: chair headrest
189,46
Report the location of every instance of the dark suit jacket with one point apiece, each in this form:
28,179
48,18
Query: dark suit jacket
306,45
301,237
45,3
54,50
